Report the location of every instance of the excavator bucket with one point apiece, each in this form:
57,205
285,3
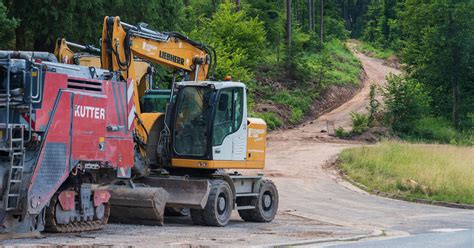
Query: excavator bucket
139,205
183,193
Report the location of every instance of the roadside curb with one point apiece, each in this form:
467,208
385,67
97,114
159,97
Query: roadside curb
375,234
398,197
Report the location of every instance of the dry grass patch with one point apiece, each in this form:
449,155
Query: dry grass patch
435,172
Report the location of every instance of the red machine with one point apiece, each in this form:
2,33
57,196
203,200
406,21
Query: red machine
63,129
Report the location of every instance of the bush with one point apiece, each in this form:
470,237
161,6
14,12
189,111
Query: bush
360,123
436,129
406,102
341,133
272,120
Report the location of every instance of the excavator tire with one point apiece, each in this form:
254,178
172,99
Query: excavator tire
218,208
177,212
197,216
267,204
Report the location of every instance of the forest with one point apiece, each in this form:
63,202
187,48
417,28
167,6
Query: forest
289,51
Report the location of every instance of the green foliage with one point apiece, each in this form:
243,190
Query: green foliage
298,101
272,120
360,123
341,133
334,65
238,39
406,101
438,50
7,28
376,52
335,29
381,26
341,66
437,129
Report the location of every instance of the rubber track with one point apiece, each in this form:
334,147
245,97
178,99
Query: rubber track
81,226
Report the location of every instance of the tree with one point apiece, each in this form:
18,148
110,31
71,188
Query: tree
288,35
7,28
239,40
439,52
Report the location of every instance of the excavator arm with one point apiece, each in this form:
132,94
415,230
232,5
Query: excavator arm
121,42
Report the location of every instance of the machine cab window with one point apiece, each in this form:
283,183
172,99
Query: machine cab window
192,121
228,115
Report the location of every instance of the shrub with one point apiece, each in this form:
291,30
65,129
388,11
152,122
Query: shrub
360,122
272,120
406,101
436,129
341,133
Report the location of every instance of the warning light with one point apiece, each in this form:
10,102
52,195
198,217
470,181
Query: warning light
228,78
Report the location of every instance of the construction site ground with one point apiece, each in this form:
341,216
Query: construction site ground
317,206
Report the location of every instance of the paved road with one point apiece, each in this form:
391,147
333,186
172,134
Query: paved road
459,239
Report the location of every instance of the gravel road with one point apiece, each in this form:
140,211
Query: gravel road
316,205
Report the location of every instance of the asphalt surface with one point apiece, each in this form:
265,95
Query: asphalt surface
458,239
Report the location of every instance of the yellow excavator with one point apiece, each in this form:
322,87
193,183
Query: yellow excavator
186,146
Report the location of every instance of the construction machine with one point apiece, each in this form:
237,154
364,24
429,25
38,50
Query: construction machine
80,144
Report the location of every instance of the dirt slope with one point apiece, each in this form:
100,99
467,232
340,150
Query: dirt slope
315,204
297,159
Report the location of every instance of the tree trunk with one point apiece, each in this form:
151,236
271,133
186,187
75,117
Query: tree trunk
310,15
295,4
288,34
455,104
321,31
237,3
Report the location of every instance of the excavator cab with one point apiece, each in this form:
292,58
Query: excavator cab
209,129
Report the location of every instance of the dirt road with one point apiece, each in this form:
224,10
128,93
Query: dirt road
316,205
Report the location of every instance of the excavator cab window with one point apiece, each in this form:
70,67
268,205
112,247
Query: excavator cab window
229,114
193,111
155,101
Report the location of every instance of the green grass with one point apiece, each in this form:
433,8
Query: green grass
375,52
441,172
272,119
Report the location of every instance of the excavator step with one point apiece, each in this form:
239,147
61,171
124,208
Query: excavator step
247,195
245,207
15,181
13,195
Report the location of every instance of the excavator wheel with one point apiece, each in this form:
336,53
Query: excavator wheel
177,212
218,207
267,204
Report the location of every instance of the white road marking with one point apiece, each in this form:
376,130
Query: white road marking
448,230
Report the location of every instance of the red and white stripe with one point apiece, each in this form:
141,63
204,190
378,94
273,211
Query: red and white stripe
131,104
25,119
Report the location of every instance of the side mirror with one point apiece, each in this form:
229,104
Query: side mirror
223,102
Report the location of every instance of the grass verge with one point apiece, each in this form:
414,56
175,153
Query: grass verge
414,171
375,52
